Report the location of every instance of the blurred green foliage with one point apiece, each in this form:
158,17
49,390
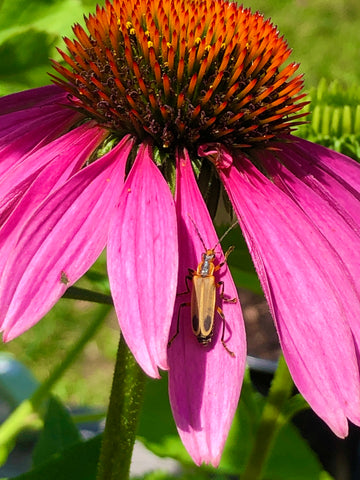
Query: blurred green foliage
29,34
334,119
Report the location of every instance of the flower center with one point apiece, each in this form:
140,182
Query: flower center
184,72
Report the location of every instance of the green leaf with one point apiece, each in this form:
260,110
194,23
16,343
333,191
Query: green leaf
29,32
157,475
160,475
334,118
59,432
157,430
54,16
78,462
291,456
295,404
240,262
247,280
25,57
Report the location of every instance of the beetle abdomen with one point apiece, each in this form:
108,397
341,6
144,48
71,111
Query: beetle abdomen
203,298
204,334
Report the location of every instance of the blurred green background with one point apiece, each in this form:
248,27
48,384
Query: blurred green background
324,36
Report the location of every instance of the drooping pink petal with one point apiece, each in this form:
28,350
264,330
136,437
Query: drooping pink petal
60,241
204,382
324,210
30,98
308,290
143,262
339,186
12,122
23,137
30,110
55,162
31,119
47,169
334,163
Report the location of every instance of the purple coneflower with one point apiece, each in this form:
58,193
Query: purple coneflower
154,98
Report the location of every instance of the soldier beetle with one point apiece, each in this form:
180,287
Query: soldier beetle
203,295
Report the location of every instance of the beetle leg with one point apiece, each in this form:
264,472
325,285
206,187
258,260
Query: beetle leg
186,304
221,313
187,278
220,285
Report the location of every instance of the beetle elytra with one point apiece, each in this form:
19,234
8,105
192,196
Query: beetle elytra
203,295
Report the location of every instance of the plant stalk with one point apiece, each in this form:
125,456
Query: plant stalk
122,417
271,421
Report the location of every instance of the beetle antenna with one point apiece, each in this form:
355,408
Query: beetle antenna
197,231
221,238
224,234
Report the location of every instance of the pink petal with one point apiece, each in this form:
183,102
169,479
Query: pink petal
24,136
143,262
60,241
324,211
48,168
339,186
30,98
309,292
22,115
31,119
204,382
332,162
55,162
12,122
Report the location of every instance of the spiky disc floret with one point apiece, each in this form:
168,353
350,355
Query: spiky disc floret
184,72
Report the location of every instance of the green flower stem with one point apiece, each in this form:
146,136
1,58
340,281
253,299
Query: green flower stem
29,409
122,417
76,293
271,421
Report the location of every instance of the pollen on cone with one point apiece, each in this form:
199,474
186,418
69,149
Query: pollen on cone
209,67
